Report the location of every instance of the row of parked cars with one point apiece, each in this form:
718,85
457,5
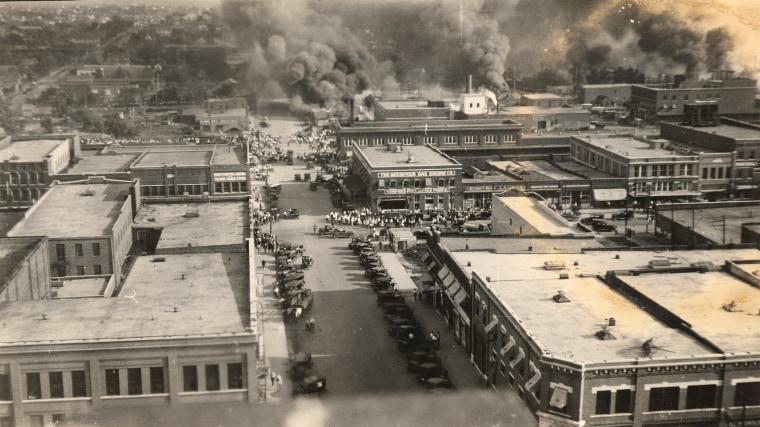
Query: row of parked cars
402,325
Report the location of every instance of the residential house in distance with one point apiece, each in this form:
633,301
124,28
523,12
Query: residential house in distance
88,225
544,100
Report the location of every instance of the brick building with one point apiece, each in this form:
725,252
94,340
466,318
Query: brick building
88,225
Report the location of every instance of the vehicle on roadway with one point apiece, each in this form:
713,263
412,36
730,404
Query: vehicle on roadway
300,366
389,296
306,261
416,359
439,385
373,272
601,225
431,370
311,385
622,215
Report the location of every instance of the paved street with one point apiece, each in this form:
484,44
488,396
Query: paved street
366,373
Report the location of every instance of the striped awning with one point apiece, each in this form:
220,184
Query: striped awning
443,272
460,296
508,346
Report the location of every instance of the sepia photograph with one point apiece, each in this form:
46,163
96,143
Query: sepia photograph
380,213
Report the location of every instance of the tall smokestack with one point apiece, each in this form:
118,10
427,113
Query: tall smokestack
351,112
469,84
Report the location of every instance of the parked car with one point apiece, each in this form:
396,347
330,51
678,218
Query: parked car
433,384
416,359
600,225
413,340
389,296
373,272
299,298
294,213
300,366
355,240
396,322
396,310
589,219
367,257
383,283
431,370
311,385
622,215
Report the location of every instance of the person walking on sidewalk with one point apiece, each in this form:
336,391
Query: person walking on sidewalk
415,294
279,382
273,377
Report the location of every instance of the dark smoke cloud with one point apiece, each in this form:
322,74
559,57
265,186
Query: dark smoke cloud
321,51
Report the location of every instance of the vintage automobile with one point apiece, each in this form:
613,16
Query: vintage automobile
311,385
383,283
411,338
389,296
431,370
442,384
298,176
300,366
374,263
299,298
622,215
373,272
293,285
397,321
355,240
416,359
329,230
313,186
590,219
341,234
287,276
294,213
600,225
359,247
396,310
368,256
306,261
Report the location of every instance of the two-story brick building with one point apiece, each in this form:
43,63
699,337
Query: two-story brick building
24,269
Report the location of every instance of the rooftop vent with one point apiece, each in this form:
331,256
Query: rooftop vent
604,334
159,259
560,297
554,265
659,263
87,192
410,158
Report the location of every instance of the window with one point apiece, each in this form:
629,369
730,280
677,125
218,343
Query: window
510,138
686,97
720,173
747,394
96,269
134,381
56,384
740,155
58,419
78,384
663,399
60,252
603,402
190,378
96,249
5,387
157,380
61,270
33,387
701,396
559,400
80,270
470,139
489,139
704,173
112,382
712,173
212,377
449,139
36,421
78,249
623,401
441,182
234,375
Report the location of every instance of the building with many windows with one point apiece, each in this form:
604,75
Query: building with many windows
69,359
180,171
408,178
654,172
88,225
606,95
450,136
734,97
594,338
26,167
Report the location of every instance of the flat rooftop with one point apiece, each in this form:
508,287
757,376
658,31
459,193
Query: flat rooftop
709,221
538,215
29,151
86,287
700,299
93,163
567,330
424,156
542,96
215,224
523,109
183,295
584,171
410,104
74,210
228,155
153,159
518,245
627,147
738,133
538,169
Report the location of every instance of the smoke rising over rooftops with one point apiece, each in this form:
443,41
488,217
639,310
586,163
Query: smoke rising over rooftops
320,51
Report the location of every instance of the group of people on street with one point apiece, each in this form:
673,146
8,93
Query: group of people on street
264,241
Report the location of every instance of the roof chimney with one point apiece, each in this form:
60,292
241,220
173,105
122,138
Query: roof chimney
469,84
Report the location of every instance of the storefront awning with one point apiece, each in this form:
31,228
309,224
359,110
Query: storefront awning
453,287
491,325
449,281
426,257
610,194
443,272
518,359
508,346
460,296
430,266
